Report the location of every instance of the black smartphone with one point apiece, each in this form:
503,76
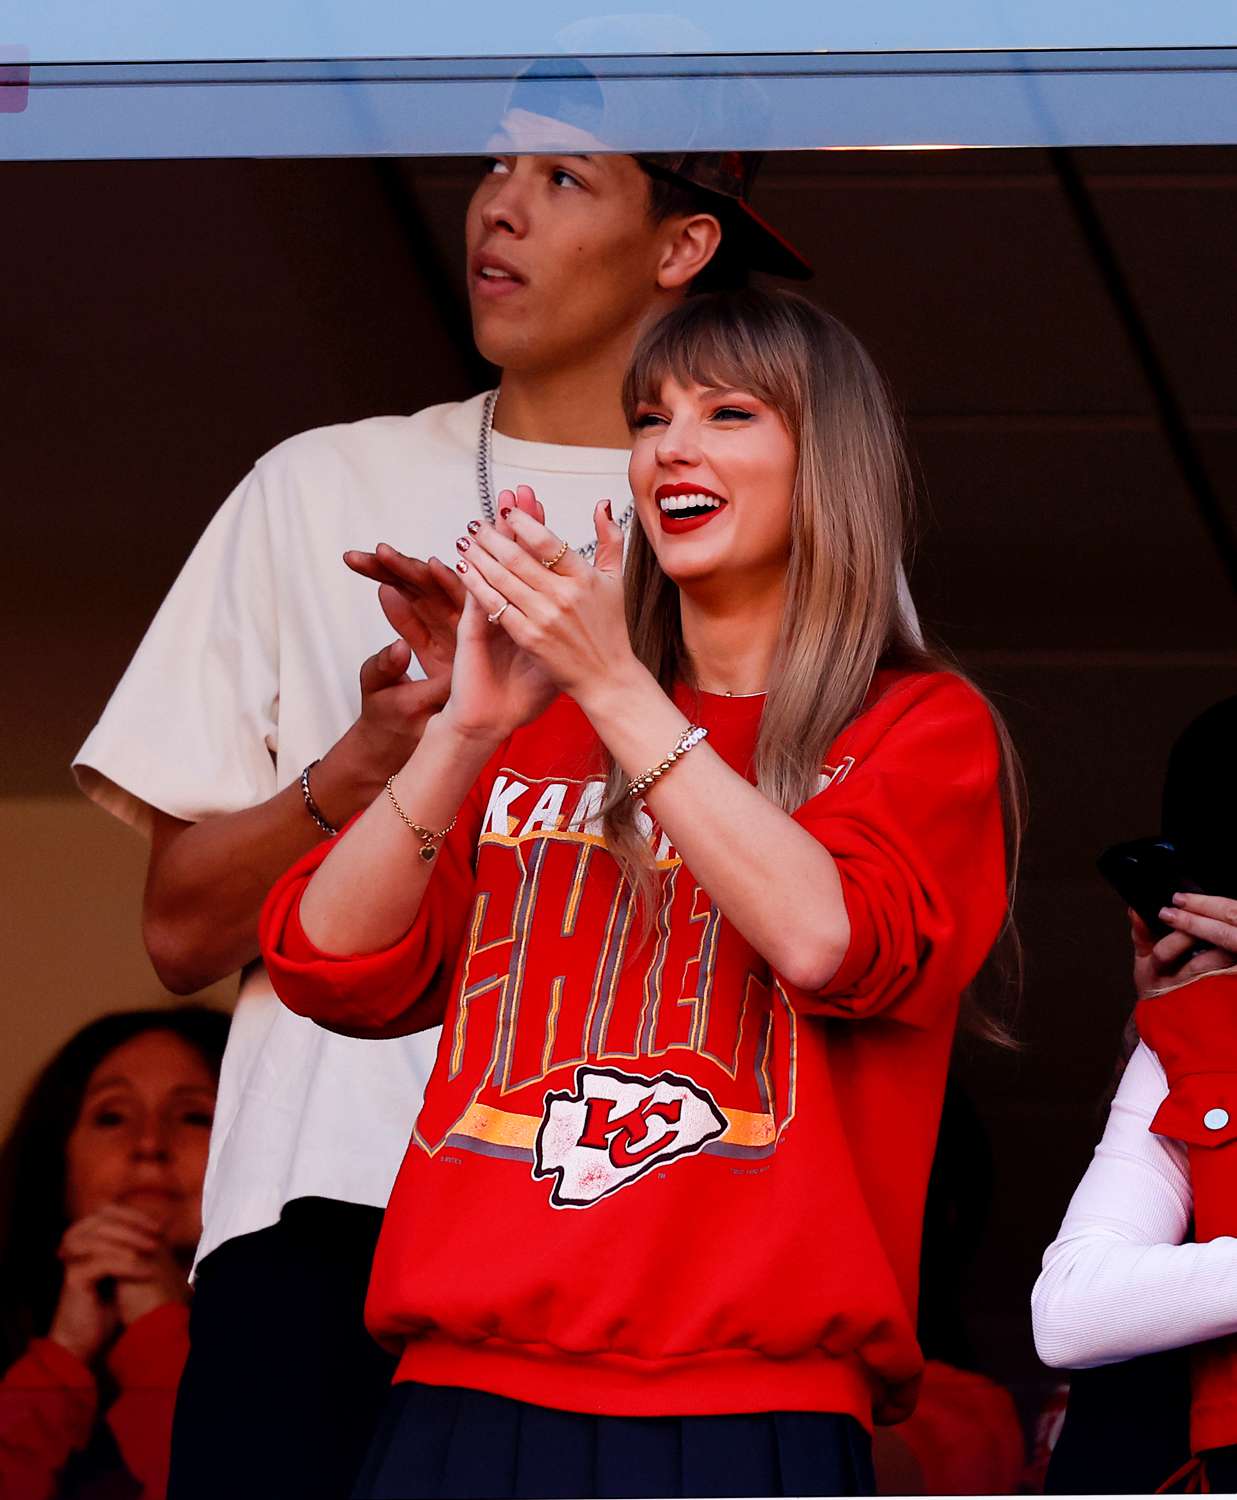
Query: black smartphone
1145,873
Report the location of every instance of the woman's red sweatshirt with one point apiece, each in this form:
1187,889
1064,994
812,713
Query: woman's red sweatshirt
650,1176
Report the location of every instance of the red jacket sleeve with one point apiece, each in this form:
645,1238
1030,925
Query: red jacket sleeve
400,989
912,816
146,1362
48,1400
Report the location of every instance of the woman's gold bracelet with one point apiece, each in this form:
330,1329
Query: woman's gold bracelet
688,740
429,839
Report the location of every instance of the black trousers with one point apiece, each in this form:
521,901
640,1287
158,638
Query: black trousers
1221,1465
1126,1428
447,1443
283,1386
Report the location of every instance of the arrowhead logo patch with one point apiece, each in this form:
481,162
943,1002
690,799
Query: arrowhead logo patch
617,1126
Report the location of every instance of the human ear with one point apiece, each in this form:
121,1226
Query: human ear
691,247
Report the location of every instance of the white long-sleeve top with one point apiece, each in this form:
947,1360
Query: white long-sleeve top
1119,1279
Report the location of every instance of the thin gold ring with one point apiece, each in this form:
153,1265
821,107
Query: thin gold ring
552,562
497,615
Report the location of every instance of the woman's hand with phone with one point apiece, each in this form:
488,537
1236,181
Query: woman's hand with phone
1203,939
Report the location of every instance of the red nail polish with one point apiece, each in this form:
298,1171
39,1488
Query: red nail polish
461,566
474,527
609,512
505,512
462,544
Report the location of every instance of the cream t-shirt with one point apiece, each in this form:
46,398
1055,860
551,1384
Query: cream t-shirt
247,673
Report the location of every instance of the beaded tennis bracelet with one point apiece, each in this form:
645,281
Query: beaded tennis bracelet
688,740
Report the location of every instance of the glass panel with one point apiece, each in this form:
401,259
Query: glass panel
428,107
127,30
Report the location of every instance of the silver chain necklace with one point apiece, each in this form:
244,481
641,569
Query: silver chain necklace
485,475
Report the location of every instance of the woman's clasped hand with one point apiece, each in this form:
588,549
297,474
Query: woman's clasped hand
538,617
118,1266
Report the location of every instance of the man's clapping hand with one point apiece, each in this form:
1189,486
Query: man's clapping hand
422,602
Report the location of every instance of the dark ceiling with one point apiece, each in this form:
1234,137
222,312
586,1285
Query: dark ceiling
1071,392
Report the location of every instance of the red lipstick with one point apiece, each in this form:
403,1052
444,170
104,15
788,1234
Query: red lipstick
689,517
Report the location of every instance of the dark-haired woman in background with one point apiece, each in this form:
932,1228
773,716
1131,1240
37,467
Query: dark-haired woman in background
100,1208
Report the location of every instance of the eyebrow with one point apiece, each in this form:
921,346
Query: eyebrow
557,155
118,1080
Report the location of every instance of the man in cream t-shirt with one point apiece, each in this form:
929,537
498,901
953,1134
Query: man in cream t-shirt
248,673
240,734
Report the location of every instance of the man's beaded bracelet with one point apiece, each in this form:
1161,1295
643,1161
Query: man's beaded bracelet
688,740
311,807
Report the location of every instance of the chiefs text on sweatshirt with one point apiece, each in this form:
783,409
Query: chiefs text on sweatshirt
650,1176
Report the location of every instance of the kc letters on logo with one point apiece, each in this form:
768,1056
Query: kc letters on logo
614,1127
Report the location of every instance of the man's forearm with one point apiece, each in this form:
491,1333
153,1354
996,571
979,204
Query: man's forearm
207,881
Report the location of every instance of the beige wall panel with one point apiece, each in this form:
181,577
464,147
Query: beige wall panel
73,910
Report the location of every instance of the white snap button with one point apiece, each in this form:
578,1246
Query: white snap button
1216,1119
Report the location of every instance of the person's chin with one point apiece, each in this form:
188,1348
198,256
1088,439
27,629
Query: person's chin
499,332
183,1237
685,566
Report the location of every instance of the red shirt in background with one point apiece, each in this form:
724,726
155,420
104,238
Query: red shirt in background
49,1403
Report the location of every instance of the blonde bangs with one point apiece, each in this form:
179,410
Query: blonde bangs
710,342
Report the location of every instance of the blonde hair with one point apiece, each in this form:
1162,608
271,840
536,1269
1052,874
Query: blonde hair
850,516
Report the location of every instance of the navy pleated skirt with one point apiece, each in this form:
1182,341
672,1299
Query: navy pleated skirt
455,1444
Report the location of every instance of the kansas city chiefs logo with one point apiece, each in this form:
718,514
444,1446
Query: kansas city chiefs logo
616,1127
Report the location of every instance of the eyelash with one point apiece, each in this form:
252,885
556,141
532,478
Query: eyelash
107,1119
728,413
492,163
